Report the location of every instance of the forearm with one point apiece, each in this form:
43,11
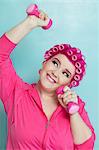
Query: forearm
17,33
80,131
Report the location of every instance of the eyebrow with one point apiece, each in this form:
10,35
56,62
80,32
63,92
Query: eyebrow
60,63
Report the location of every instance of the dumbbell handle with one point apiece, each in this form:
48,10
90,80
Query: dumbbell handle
33,10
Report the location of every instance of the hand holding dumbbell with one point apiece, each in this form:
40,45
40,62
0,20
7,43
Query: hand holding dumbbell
71,106
33,10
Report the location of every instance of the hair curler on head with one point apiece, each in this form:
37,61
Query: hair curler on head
72,107
33,10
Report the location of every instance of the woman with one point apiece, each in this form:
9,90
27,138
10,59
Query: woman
37,116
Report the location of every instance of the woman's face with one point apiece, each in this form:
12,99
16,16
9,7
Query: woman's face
60,69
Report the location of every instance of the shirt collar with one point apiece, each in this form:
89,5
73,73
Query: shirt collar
36,97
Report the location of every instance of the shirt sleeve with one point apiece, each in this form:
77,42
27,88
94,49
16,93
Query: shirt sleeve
88,144
8,75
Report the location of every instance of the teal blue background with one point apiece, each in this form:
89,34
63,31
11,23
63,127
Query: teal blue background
74,22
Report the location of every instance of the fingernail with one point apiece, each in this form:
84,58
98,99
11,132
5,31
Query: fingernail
59,95
66,88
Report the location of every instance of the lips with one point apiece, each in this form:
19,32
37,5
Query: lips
50,78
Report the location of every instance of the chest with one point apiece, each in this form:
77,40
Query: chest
49,109
28,126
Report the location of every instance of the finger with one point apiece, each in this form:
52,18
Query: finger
61,102
41,16
66,88
70,92
74,94
43,22
66,101
66,94
70,97
46,17
71,100
60,99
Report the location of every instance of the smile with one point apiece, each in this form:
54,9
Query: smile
50,79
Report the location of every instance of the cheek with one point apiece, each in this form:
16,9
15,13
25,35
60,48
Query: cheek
48,67
44,71
64,80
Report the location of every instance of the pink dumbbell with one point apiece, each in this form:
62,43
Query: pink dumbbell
71,106
33,10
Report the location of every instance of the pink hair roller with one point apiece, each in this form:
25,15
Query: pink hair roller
61,47
71,106
78,50
78,70
73,83
50,53
33,10
69,52
77,77
78,64
74,57
55,49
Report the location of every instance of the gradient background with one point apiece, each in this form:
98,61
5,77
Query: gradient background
74,22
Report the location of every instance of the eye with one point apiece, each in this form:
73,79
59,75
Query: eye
66,74
54,62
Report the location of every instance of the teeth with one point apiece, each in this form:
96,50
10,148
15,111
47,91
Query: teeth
50,78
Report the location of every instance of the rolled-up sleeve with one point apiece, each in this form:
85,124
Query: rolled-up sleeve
89,143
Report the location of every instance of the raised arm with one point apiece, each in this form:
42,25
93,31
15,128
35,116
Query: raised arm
17,33
9,80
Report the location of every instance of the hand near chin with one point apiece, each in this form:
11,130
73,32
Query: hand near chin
67,96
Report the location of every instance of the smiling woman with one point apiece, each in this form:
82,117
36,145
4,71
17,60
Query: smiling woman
60,69
38,118
72,64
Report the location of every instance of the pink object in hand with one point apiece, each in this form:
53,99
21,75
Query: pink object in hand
71,106
33,10
60,90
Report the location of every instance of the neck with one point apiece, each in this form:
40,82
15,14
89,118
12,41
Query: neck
44,93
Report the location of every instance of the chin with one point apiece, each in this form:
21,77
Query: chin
47,86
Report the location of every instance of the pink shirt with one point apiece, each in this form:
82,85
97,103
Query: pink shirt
28,126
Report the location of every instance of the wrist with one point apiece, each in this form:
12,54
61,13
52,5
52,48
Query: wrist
74,114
